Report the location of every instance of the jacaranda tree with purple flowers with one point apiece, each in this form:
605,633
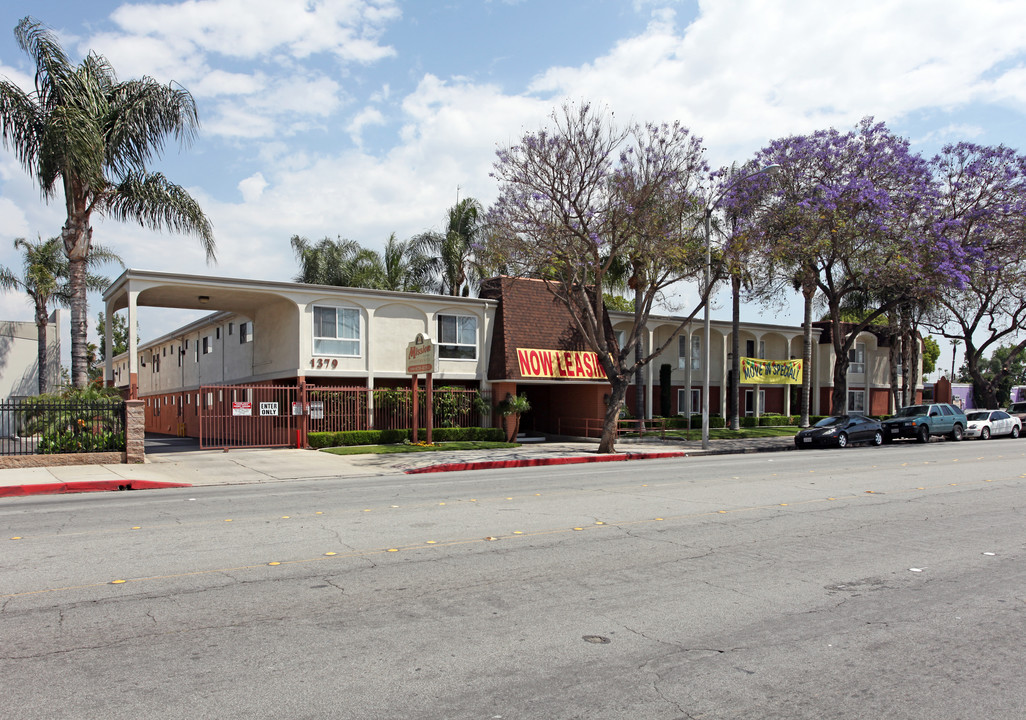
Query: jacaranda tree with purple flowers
855,218
583,198
983,193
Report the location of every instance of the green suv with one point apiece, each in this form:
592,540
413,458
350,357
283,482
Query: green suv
922,421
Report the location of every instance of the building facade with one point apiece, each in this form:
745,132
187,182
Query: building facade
514,339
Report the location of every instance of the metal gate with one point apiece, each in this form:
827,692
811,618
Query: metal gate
238,416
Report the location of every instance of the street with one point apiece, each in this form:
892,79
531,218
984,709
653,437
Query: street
863,583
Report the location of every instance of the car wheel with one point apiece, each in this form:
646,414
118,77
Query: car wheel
985,433
923,435
1015,431
842,440
956,433
878,438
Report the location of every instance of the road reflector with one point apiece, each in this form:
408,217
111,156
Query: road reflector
118,582
330,553
274,563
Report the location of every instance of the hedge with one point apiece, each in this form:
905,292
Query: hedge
393,437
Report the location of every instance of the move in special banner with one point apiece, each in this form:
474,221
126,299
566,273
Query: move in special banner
770,372
559,364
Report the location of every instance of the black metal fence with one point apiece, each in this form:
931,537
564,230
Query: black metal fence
31,427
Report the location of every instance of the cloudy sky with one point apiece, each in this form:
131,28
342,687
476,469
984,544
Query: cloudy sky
361,118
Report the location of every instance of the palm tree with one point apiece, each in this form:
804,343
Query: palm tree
83,131
338,262
407,266
454,249
45,278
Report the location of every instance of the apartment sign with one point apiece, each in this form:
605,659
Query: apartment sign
420,356
561,364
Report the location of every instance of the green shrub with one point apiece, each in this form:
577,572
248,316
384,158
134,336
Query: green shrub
70,441
392,437
715,421
749,421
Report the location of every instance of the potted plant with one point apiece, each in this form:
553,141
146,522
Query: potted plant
511,409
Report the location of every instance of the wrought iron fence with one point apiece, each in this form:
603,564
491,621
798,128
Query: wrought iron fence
343,409
30,427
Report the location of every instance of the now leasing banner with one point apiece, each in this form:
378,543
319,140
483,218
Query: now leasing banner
559,364
770,372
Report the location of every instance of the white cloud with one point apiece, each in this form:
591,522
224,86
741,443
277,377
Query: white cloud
367,116
252,188
745,72
349,29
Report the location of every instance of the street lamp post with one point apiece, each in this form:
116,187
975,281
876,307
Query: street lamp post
709,207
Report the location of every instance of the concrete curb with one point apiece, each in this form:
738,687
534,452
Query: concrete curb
81,486
537,462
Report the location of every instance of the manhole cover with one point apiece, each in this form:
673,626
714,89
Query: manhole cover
597,639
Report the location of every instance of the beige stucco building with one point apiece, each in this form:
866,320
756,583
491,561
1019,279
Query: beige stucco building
283,333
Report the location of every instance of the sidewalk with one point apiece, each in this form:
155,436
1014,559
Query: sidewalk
216,467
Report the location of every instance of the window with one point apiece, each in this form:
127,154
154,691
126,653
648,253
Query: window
682,355
621,338
856,401
336,331
457,337
246,332
749,348
208,347
857,359
218,333
696,352
696,401
762,349
231,328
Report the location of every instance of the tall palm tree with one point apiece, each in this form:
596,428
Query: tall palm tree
45,278
83,131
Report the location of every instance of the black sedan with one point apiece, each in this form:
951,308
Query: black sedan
840,431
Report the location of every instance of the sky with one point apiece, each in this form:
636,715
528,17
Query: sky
360,118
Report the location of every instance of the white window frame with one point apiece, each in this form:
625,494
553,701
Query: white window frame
208,345
857,402
857,359
344,343
759,402
682,352
449,350
245,332
696,352
696,401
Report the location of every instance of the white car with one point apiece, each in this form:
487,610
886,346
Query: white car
986,424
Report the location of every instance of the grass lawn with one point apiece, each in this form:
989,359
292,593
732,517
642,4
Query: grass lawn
742,434
387,449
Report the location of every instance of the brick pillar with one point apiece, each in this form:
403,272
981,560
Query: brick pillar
135,431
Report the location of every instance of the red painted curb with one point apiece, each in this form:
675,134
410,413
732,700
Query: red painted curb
499,464
86,486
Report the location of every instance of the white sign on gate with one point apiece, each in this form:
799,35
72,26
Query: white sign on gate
268,408
317,411
242,408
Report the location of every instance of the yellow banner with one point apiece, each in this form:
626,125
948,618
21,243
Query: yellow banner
559,364
770,372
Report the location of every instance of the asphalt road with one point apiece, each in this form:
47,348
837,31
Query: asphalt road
865,583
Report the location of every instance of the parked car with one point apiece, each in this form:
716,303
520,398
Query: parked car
840,431
1017,409
922,421
985,424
